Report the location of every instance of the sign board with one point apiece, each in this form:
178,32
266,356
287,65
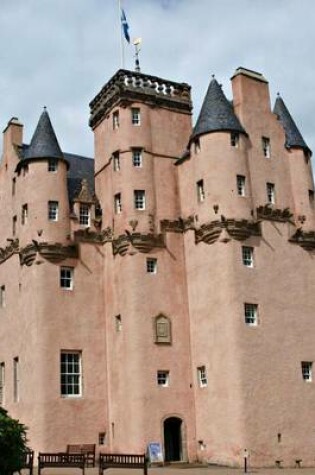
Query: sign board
155,452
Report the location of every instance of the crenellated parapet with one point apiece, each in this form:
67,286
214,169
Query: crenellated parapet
126,87
269,213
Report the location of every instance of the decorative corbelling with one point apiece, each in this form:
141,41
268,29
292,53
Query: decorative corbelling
86,235
177,225
51,252
8,251
271,214
305,239
140,242
239,230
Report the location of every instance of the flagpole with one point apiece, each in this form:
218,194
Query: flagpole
122,49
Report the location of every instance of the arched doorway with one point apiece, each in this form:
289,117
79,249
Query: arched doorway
173,439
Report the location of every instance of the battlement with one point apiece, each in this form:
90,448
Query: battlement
129,86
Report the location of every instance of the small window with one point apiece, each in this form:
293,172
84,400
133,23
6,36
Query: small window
14,221
16,379
139,199
2,383
66,278
202,376
251,314
101,438
307,367
70,374
2,296
118,323
151,265
13,186
200,191
240,181
248,256
117,203
52,165
137,157
25,169
116,161
162,329
84,214
271,195
235,138
53,210
265,142
135,116
197,145
311,197
115,120
24,214
163,378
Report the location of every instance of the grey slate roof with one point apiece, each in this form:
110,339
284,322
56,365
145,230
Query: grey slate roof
80,168
293,137
44,143
216,113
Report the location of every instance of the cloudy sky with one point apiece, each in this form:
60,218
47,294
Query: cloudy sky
59,53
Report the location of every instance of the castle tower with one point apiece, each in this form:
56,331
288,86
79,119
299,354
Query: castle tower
141,124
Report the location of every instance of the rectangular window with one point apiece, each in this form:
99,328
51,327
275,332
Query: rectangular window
235,137
202,376
118,323
163,378
137,157
200,191
70,374
271,196
248,256
2,383
197,145
265,142
116,162
53,210
2,296
52,165
307,367
101,438
139,199
16,379
13,186
24,214
84,214
151,265
251,314
135,116
14,220
116,120
66,278
240,181
117,203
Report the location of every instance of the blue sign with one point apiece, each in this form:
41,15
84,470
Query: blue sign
155,452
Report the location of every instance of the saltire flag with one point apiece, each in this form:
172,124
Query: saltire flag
124,25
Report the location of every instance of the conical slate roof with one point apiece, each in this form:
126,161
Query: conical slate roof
293,137
216,113
44,143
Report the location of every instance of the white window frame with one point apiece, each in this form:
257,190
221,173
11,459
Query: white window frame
116,161
70,374
66,278
200,191
16,379
85,214
139,199
265,143
115,120
202,376
52,165
2,296
117,203
240,183
151,265
137,160
2,383
135,116
307,370
248,256
53,210
163,378
271,193
251,314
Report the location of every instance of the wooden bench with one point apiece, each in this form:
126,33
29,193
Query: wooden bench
28,461
123,461
88,450
63,460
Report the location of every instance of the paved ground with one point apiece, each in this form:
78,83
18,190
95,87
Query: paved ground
213,470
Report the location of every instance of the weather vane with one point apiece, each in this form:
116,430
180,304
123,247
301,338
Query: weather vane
137,42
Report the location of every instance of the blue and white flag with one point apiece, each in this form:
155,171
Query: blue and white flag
124,25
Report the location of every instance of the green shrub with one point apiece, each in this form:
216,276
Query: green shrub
12,444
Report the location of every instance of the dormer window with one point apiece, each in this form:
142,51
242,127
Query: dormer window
235,137
265,142
52,165
84,214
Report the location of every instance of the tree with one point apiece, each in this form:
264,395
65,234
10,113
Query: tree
12,444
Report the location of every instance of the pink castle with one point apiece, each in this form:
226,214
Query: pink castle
162,292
